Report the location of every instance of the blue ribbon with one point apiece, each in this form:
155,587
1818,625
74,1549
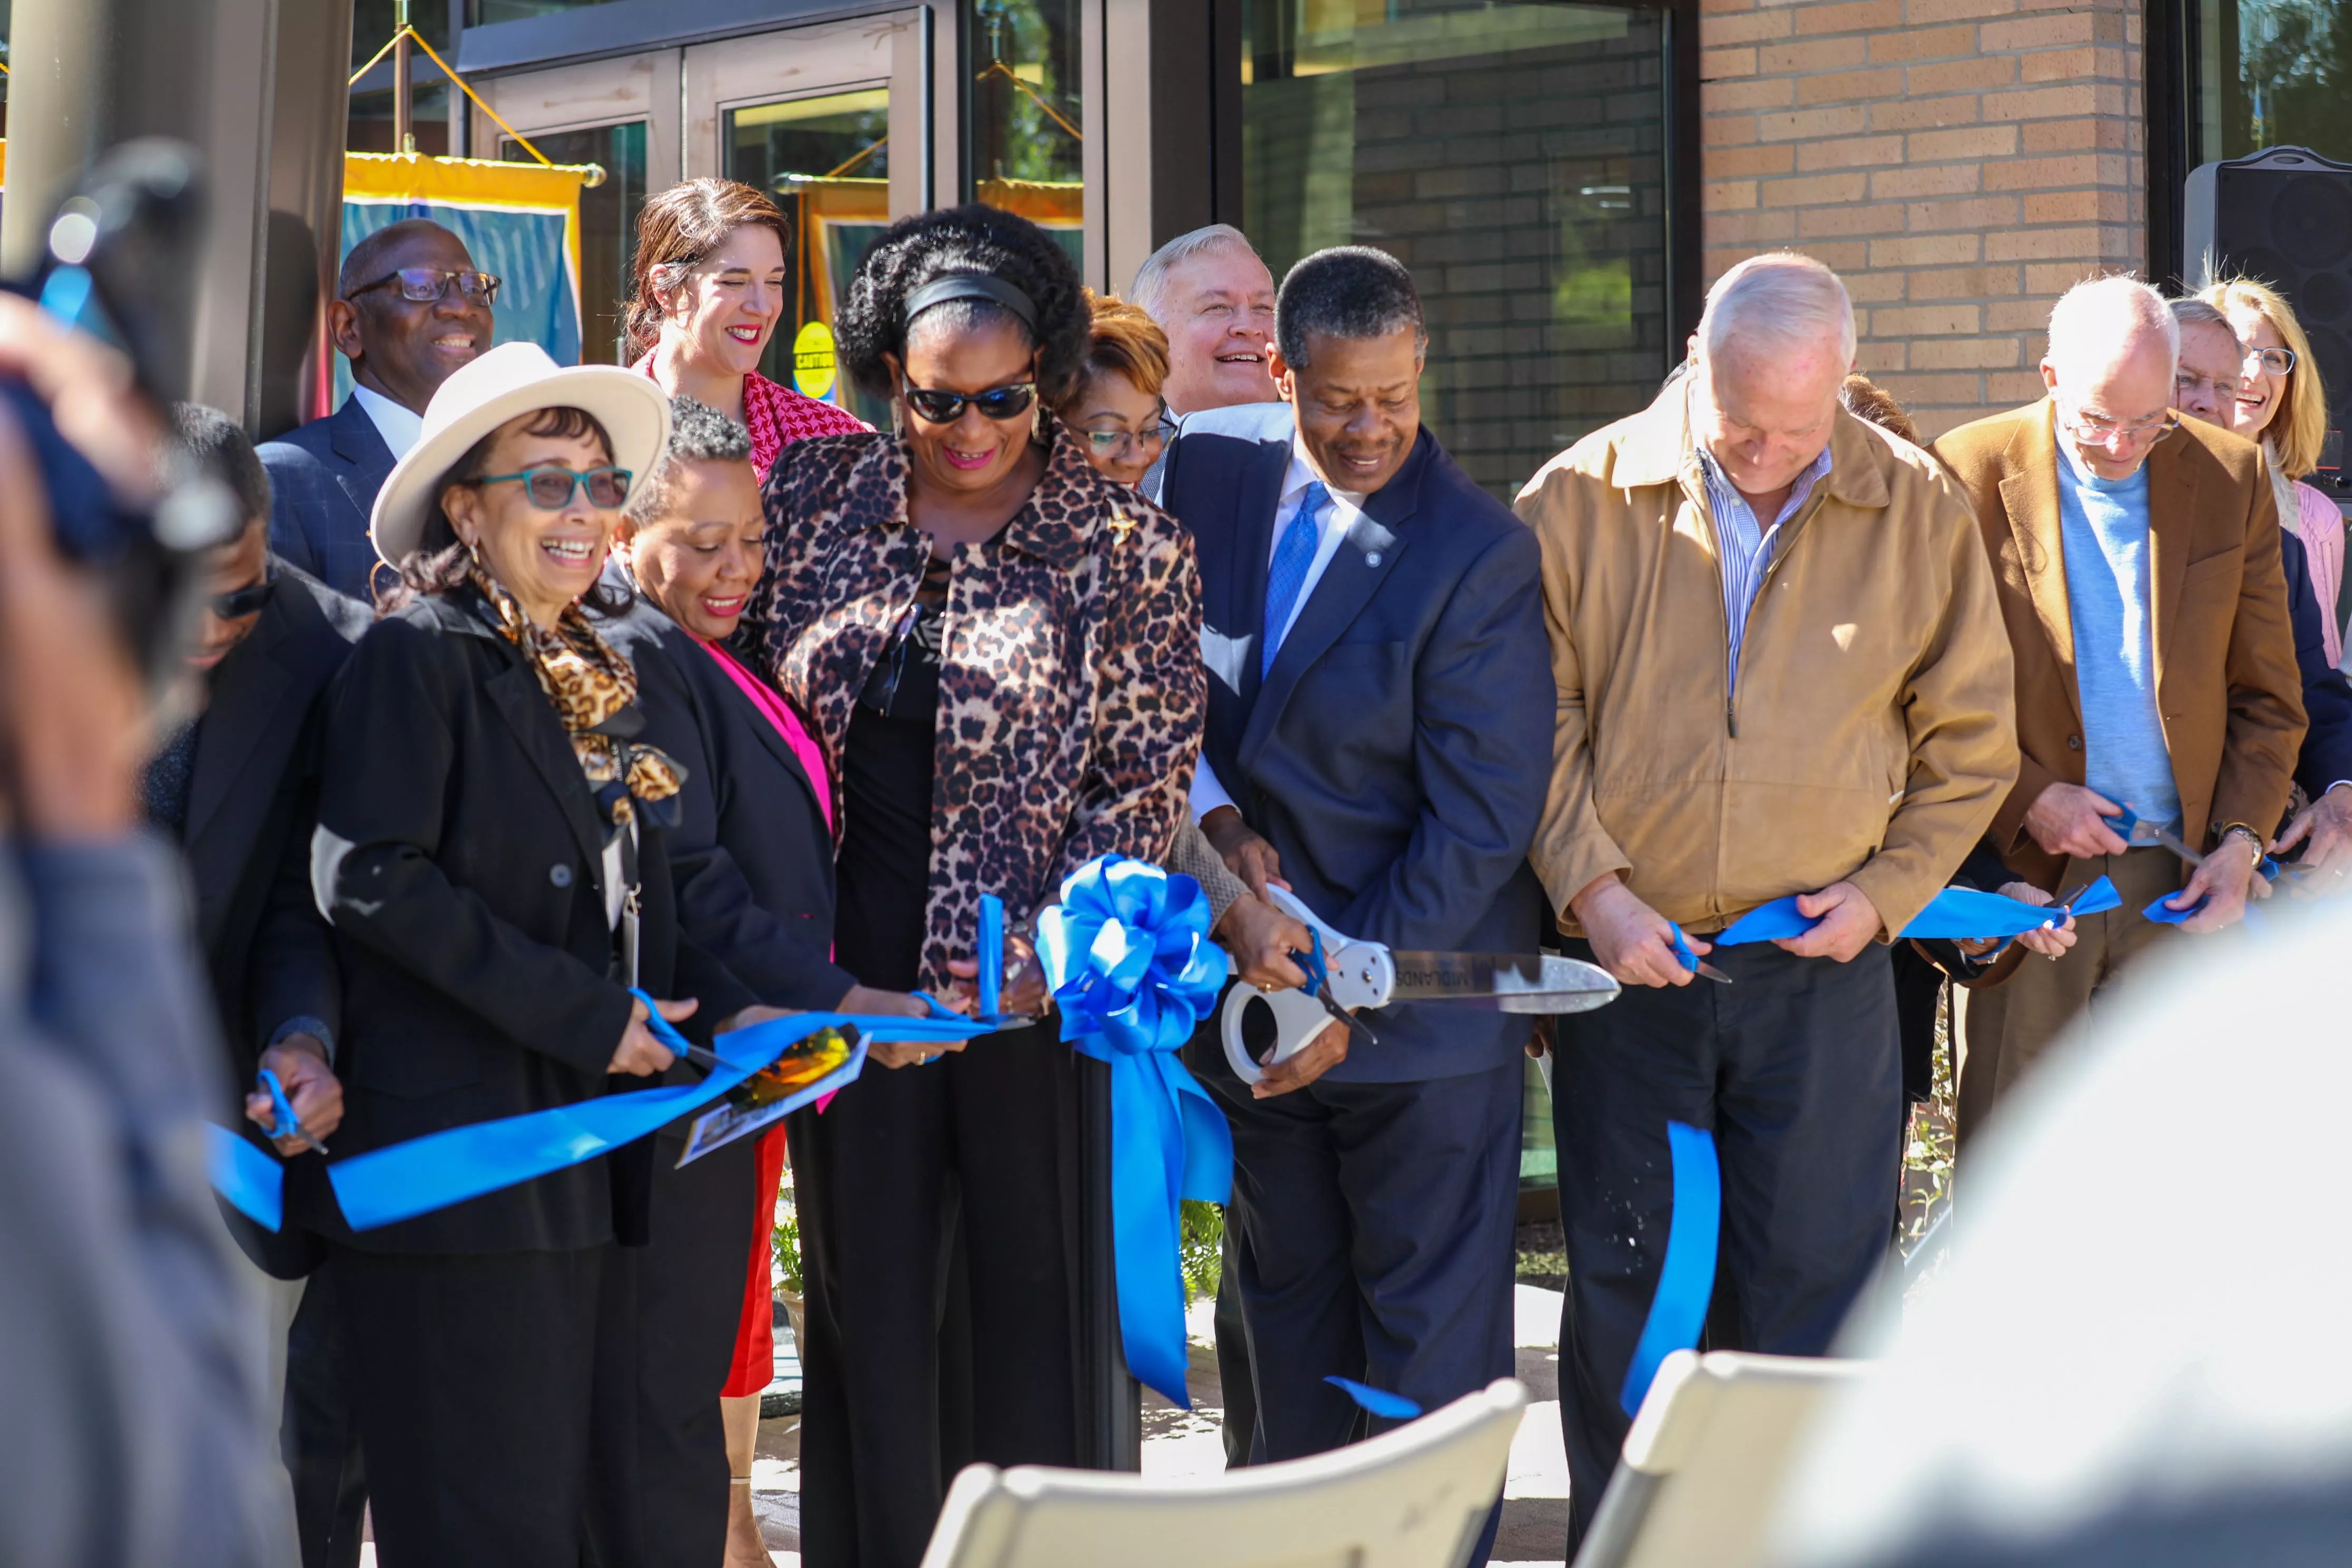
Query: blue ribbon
1686,1278
248,1178
1378,1401
1127,953
1956,913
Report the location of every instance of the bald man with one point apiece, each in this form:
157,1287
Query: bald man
410,307
2137,559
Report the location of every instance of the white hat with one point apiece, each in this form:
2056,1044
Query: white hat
511,380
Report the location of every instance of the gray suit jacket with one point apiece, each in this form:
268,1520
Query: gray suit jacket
323,480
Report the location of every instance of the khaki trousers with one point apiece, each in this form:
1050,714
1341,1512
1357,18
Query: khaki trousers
2009,1026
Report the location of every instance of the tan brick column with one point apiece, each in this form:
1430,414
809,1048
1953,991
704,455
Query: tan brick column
1959,162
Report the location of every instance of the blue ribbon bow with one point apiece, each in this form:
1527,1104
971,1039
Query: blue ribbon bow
1127,953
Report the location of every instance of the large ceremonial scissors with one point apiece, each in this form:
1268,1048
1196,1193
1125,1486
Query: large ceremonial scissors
1347,975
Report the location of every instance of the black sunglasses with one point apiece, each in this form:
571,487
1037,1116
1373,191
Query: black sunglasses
430,285
239,603
1009,401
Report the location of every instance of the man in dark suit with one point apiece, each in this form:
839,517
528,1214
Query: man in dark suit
237,785
1377,699
410,307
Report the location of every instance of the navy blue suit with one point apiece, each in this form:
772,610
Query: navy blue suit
1396,755
2326,755
323,479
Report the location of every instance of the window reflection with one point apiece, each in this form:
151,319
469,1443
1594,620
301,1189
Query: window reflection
1022,113
608,225
2276,73
1512,155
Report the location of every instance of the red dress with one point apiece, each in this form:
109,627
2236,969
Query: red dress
776,417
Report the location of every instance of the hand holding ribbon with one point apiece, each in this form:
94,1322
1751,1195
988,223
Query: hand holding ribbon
1960,912
1127,953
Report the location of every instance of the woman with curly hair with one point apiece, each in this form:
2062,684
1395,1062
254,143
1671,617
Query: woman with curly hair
707,292
999,648
1114,405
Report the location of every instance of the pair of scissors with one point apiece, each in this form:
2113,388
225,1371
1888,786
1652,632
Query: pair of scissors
288,1125
1693,962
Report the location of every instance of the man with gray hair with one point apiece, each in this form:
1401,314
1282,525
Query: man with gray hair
2157,695
1779,670
1375,650
1214,299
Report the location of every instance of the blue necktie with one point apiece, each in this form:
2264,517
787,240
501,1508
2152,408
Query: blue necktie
1292,556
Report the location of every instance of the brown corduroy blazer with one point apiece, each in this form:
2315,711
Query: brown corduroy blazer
2227,684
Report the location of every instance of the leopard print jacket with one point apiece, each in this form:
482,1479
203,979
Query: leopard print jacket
1071,689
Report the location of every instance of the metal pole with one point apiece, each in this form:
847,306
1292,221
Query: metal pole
404,134
1110,1426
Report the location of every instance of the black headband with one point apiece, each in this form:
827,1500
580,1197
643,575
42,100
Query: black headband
971,286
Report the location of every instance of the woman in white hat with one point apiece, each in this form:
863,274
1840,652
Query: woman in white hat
486,857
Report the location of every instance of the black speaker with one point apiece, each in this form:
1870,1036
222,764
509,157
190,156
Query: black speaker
2284,215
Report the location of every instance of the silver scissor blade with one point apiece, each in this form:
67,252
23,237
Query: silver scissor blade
1501,982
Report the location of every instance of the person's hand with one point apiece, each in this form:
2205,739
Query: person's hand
2327,823
311,1089
878,1003
758,1013
1848,922
2226,876
90,391
73,727
1545,1040
639,1054
1246,855
1024,995
2067,819
2048,940
1262,938
1317,1057
1629,940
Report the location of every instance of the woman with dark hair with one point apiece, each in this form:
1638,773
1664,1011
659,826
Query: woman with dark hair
999,648
1114,405
483,854
707,293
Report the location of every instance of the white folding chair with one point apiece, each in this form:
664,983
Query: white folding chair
1415,1497
1703,1466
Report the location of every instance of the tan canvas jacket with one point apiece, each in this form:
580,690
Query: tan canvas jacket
2226,679
1871,738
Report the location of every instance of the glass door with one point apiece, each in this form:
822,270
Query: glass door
828,120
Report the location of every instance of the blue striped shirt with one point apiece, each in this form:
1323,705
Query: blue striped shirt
1745,551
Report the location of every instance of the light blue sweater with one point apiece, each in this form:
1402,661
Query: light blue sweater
2103,527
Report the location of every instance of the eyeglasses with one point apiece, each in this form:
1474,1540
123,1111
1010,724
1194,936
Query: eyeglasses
429,284
1114,444
1008,402
2107,432
239,603
2278,362
550,489
2185,386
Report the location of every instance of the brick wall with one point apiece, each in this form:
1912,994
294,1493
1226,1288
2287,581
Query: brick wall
1959,162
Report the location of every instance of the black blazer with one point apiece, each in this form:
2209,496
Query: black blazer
323,480
1397,753
751,858
251,800
459,857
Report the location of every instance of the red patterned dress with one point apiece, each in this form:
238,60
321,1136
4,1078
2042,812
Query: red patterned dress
777,416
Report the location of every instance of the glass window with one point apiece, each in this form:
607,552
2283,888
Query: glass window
1513,156
370,126
482,13
1021,113
2276,73
608,225
826,161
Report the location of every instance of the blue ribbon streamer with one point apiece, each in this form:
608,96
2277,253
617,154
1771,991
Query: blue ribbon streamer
1127,953
1956,913
1686,1278
253,1184
402,1181
1378,1401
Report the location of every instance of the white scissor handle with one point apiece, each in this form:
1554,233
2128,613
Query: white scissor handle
1362,975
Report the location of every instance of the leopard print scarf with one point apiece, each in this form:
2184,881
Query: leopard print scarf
588,682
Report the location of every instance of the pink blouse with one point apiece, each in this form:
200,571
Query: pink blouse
2320,526
779,712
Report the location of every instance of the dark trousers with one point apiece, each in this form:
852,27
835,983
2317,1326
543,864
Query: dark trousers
1236,1377
1793,1068
1375,1242
665,1338
1919,998
319,1432
474,1375
986,1136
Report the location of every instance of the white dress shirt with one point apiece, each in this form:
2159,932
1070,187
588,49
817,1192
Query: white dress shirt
399,426
1333,527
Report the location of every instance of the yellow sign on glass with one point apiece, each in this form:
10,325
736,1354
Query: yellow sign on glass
813,364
